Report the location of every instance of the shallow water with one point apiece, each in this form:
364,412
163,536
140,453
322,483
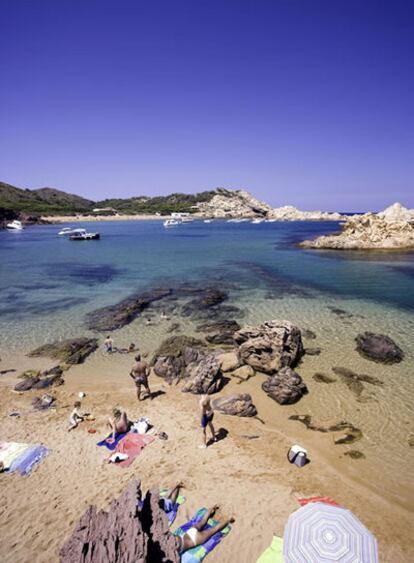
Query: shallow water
49,283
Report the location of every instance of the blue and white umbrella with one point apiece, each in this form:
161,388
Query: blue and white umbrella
321,533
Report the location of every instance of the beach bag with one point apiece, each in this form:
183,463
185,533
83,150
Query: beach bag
297,455
141,426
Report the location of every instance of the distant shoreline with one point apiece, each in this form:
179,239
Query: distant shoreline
89,218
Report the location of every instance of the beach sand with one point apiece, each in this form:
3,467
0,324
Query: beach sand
250,478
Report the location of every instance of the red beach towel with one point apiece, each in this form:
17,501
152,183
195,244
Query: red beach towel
326,500
132,445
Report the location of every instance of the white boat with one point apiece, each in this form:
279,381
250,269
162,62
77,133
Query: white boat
81,234
66,231
234,220
187,220
257,221
15,225
171,223
208,220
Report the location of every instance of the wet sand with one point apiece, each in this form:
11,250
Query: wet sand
249,478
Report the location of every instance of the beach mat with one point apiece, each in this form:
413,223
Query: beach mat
172,514
198,553
132,445
111,447
21,457
10,451
274,553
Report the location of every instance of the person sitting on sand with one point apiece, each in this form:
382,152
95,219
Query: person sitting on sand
75,416
195,535
131,348
148,321
118,424
168,501
108,345
139,374
207,415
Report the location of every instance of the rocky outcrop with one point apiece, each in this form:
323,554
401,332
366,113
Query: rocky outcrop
286,387
390,229
220,332
290,213
204,376
33,379
130,531
379,348
229,361
232,203
174,355
207,299
270,346
116,316
235,405
71,351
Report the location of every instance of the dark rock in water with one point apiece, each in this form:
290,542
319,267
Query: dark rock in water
26,384
174,327
354,381
323,378
411,441
379,348
312,351
71,351
46,379
308,334
220,331
174,354
116,316
341,313
123,534
355,454
286,386
271,346
353,434
235,405
204,375
44,382
206,299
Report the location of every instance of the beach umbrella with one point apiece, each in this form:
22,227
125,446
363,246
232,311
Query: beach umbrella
322,533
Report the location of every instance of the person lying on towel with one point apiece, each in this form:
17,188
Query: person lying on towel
195,535
168,501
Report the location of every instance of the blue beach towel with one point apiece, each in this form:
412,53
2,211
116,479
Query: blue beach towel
25,462
172,513
115,443
198,553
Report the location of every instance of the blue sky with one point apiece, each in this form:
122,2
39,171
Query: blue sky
302,102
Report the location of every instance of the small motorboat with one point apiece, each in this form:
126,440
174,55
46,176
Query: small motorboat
66,231
171,223
257,221
81,234
15,226
208,220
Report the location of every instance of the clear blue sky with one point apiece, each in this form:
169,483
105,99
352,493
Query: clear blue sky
304,102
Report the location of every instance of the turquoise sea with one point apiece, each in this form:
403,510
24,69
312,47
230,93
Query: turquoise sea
49,283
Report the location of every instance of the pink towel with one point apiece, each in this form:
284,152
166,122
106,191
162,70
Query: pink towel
326,500
132,445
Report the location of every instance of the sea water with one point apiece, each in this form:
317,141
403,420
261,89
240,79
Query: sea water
48,284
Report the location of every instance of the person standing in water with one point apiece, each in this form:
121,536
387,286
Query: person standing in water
108,345
139,374
207,415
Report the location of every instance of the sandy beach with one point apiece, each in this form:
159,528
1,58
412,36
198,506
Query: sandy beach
249,478
97,218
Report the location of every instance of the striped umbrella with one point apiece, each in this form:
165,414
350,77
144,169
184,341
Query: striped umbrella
322,533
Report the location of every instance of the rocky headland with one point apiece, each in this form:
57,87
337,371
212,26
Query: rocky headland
391,229
290,213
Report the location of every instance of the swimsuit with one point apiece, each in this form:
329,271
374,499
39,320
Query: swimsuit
192,534
140,380
206,418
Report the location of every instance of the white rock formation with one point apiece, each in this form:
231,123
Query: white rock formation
232,203
391,229
290,213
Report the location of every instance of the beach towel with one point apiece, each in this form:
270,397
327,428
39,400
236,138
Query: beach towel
172,514
111,447
274,553
25,462
326,500
132,445
10,451
198,553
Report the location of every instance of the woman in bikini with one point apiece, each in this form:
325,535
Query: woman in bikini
195,535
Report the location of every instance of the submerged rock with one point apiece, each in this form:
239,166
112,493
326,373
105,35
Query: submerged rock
355,454
235,405
125,533
71,351
220,331
286,386
116,316
354,381
270,346
312,351
204,375
207,299
379,348
323,378
352,433
308,334
42,380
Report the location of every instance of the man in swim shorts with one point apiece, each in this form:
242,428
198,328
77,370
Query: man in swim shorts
207,415
139,374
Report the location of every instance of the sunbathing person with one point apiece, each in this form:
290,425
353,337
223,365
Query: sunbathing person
139,374
75,416
207,415
168,501
195,535
118,424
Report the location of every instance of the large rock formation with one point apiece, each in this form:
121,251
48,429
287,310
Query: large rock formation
290,213
116,316
270,346
285,387
220,332
71,351
131,531
235,405
391,229
378,348
174,355
232,203
204,376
